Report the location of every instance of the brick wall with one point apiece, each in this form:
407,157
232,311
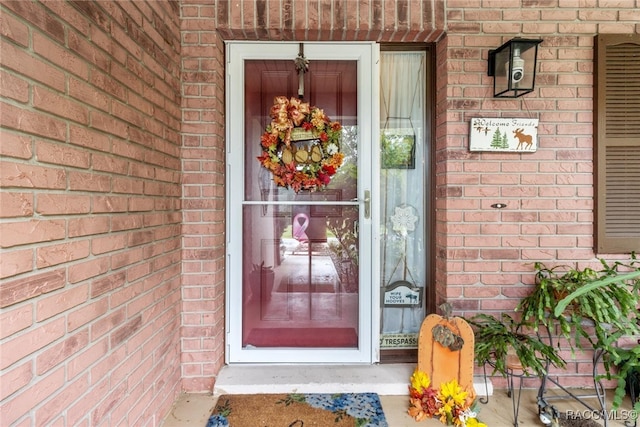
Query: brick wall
203,164
487,255
90,212
549,193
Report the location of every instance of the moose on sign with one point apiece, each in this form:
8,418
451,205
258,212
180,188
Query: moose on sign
524,141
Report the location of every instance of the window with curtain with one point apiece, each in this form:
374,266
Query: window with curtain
403,191
617,143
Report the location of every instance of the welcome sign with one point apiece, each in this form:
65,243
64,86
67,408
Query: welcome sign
503,134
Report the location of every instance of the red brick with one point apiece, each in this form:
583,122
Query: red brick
108,123
127,294
106,324
107,284
15,379
80,362
62,204
14,30
137,204
34,231
87,226
102,204
61,106
121,334
89,95
126,149
14,205
128,114
140,237
107,147
109,163
14,87
108,244
61,302
58,353
138,271
21,404
15,262
115,395
13,145
84,401
31,67
126,222
81,181
62,154
23,289
73,390
59,55
86,270
17,348
18,175
143,171
87,313
15,320
32,122
65,252
127,185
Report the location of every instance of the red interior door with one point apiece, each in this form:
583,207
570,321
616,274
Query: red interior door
300,250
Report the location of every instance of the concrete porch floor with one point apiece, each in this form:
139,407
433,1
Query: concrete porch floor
389,381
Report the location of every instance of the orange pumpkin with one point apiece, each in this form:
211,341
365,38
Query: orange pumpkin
445,350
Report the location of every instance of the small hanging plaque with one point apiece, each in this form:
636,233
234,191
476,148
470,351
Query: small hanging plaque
502,134
402,294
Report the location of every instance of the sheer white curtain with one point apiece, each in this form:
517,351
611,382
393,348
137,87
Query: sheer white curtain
402,110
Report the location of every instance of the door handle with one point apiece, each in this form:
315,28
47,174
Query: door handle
367,204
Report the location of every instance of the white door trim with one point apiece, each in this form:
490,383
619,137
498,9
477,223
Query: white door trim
367,55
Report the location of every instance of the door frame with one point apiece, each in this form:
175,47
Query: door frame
367,55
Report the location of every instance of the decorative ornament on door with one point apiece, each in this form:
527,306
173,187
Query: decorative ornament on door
301,145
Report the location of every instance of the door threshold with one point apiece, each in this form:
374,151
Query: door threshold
386,379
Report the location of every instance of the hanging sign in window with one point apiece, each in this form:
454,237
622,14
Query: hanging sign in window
402,294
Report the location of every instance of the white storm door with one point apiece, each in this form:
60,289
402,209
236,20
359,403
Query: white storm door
299,277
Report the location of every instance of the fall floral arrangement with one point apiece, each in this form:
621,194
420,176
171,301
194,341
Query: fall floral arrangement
452,405
293,165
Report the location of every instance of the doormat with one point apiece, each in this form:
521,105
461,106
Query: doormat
317,284
298,410
302,337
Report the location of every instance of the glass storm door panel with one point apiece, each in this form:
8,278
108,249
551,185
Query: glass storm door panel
298,259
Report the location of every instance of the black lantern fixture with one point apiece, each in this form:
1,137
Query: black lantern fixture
513,67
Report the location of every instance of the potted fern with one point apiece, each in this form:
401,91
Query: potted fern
613,322
592,310
579,300
498,339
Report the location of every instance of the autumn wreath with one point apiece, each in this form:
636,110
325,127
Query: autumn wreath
301,146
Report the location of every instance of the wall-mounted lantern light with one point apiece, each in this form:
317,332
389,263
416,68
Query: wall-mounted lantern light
513,67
